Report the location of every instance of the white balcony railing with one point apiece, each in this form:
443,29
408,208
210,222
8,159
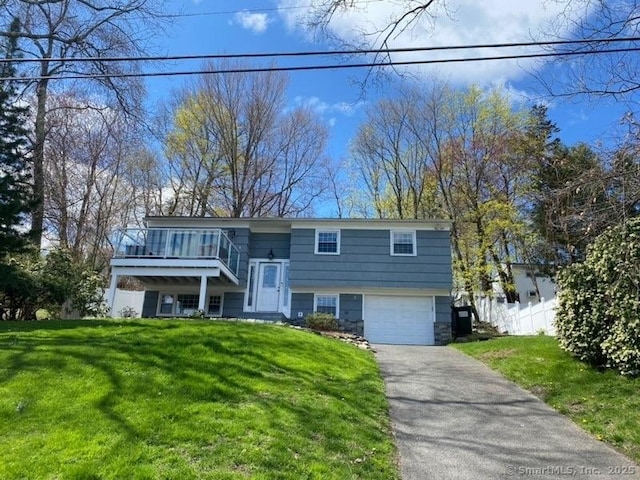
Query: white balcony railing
189,243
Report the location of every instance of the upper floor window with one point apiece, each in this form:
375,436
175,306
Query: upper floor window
403,243
328,242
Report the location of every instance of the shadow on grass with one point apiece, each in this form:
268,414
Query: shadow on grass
294,375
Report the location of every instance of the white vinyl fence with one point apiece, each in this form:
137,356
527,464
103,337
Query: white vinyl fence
127,299
517,318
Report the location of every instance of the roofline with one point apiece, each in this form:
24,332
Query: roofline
305,222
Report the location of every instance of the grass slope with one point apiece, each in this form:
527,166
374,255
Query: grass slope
187,399
602,402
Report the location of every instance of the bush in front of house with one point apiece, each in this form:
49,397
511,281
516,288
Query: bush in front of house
325,322
598,313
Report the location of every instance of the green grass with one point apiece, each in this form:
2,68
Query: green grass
184,399
602,402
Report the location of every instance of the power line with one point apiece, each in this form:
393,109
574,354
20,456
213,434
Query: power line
311,53
253,10
322,67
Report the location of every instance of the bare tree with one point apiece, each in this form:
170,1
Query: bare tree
438,152
600,74
73,37
236,149
612,74
89,188
409,13
393,162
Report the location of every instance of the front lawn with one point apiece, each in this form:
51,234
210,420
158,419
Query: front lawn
185,399
602,402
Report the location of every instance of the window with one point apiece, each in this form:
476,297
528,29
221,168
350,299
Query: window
403,243
215,306
328,242
327,304
285,299
166,305
252,271
187,304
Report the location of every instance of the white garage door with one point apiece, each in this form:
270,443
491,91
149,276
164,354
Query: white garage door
398,320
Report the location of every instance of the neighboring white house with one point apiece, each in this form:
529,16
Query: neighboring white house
526,278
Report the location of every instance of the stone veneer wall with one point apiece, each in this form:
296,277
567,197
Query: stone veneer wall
352,326
442,333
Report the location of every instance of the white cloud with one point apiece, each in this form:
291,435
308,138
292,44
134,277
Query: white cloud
330,112
255,22
465,22
323,108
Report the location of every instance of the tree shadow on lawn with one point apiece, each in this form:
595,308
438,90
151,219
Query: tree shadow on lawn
196,368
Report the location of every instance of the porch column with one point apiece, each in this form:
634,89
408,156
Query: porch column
111,293
203,293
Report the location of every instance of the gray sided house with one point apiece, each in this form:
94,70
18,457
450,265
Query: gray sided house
389,280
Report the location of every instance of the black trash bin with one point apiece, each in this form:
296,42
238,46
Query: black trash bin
461,323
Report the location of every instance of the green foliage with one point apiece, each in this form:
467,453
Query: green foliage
324,322
128,312
69,280
15,189
197,314
54,282
598,315
20,289
566,194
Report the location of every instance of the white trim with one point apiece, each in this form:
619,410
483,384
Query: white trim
284,225
402,292
414,239
370,224
327,230
333,294
255,262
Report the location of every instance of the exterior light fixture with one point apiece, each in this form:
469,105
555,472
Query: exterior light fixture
270,255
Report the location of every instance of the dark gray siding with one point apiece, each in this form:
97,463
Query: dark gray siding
150,304
262,243
301,302
232,305
240,238
350,306
443,309
365,261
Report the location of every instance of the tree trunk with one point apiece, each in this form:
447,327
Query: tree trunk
40,133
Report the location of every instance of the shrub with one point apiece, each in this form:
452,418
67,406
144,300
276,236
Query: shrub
29,283
128,312
325,322
197,314
598,315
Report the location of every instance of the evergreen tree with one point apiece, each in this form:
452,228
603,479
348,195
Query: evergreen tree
15,169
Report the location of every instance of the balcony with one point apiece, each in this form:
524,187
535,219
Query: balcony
176,248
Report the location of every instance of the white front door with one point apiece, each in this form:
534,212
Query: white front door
268,287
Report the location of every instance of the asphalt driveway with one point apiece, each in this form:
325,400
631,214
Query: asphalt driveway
454,418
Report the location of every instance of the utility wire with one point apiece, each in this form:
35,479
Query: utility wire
328,52
253,10
321,67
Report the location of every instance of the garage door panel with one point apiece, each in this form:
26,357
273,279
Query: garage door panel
402,320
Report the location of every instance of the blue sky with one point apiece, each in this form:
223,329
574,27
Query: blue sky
247,26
